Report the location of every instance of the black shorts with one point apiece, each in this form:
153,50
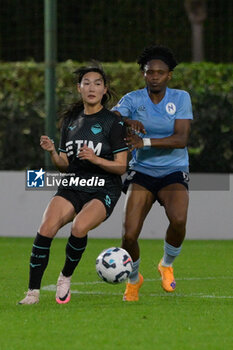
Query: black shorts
155,184
80,198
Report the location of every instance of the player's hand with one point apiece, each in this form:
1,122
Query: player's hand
134,142
47,144
87,153
135,126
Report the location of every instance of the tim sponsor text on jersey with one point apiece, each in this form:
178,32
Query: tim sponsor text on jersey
80,143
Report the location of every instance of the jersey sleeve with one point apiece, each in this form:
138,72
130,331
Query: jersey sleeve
125,106
184,110
117,135
63,136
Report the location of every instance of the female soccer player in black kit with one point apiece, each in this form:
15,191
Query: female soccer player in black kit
92,145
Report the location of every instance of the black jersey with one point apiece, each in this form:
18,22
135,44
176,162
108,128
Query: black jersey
104,133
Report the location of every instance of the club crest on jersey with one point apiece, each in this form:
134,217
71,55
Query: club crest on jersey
170,108
96,129
141,108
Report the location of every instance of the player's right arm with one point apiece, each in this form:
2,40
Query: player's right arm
59,160
134,125
124,109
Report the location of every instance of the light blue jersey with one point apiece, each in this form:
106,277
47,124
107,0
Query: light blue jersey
158,120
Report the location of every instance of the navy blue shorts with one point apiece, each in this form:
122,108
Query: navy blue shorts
155,184
79,198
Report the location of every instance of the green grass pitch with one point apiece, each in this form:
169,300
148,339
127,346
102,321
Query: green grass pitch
199,315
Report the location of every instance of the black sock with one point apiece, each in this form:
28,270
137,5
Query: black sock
39,260
74,249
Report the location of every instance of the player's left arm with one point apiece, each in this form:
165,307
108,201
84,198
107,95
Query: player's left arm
119,149
116,166
178,139
180,135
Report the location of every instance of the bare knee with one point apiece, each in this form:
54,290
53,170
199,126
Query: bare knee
178,222
48,230
129,239
79,229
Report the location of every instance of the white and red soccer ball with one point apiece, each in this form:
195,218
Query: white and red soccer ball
113,265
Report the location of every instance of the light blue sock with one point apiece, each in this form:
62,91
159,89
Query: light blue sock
133,277
170,253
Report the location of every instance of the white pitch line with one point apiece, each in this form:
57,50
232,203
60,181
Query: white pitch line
158,279
192,295
52,288
192,278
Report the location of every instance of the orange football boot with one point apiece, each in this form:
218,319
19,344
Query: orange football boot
132,290
168,281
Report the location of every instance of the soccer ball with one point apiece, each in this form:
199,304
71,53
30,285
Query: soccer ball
114,265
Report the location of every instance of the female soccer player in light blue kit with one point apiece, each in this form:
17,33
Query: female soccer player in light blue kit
159,118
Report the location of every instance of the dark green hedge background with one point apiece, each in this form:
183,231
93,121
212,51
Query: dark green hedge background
22,116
